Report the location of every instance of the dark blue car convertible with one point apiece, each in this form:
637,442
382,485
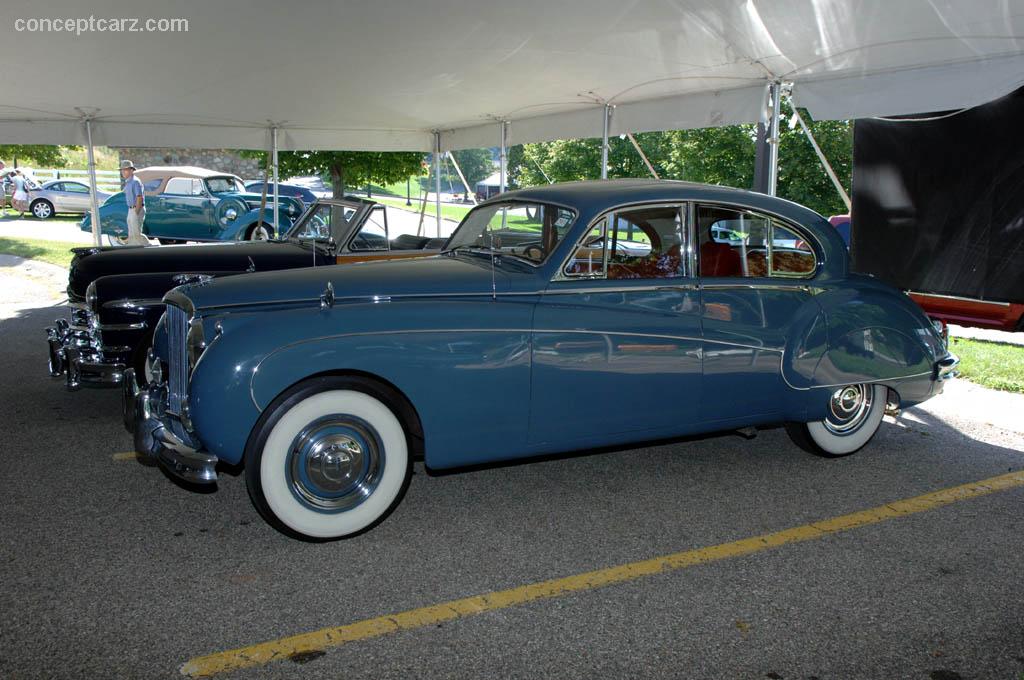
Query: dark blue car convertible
535,331
195,204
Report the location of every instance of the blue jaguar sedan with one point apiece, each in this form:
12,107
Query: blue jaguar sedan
557,318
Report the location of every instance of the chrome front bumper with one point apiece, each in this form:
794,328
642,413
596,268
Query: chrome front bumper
946,368
77,353
160,436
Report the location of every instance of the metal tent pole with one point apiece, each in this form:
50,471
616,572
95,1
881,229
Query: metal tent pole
437,179
773,138
455,164
94,208
640,151
503,158
273,152
821,157
604,140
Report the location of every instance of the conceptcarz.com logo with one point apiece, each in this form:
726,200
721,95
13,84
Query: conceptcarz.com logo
81,25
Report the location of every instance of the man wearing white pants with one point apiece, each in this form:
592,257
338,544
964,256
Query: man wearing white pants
133,196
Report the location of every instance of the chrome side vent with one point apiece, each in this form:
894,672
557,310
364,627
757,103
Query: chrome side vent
177,374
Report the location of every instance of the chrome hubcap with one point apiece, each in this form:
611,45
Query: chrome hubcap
335,463
849,408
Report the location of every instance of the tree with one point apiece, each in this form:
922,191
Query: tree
46,155
476,165
348,168
801,176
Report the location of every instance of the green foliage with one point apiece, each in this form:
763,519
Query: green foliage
801,176
476,165
347,169
41,155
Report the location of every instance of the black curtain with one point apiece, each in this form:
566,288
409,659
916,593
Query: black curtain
938,201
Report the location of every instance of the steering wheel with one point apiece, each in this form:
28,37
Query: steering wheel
534,252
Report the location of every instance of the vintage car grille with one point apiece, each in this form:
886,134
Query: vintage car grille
177,359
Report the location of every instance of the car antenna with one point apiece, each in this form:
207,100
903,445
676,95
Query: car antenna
494,285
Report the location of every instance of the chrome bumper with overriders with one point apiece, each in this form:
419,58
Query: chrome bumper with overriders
76,351
161,436
946,368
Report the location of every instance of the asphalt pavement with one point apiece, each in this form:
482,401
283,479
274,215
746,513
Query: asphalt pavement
112,570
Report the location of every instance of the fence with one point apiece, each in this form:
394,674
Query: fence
106,180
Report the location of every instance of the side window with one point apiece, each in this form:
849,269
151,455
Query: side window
318,225
736,243
179,186
373,235
151,186
74,187
791,255
642,243
197,187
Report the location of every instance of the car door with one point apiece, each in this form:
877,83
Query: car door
183,211
617,339
74,197
754,274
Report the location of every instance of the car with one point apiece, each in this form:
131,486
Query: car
324,384
115,294
185,203
62,196
301,193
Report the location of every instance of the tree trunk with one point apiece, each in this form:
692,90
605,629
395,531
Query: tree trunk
338,180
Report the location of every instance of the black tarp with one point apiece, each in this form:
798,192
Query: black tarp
938,201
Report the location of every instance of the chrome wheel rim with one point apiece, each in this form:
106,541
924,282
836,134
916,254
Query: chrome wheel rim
41,210
849,408
335,463
260,234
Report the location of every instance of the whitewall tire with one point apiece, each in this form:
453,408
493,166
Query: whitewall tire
329,463
854,415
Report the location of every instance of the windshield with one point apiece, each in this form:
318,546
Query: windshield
528,231
220,185
324,221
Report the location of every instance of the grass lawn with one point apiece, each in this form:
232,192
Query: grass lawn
54,252
990,364
455,213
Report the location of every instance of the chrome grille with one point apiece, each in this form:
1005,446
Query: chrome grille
177,359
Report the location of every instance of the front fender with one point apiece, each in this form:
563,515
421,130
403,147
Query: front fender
113,219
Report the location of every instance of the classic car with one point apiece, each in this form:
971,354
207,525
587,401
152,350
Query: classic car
325,383
115,294
62,196
195,204
294,190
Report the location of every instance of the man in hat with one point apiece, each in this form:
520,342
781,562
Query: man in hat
133,196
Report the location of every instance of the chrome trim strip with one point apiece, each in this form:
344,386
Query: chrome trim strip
957,297
130,304
122,326
766,286
623,289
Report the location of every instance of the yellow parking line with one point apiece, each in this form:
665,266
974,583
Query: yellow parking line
129,455
276,650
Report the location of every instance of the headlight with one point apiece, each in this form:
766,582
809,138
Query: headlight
90,296
230,214
195,341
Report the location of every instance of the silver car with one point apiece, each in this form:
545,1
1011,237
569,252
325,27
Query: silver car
62,196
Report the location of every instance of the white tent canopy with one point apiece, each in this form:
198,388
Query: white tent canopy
386,74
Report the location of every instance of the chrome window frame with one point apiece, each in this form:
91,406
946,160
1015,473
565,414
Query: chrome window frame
684,210
522,201
818,249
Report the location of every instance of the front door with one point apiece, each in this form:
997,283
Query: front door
617,338
183,212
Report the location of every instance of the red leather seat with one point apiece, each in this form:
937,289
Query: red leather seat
719,259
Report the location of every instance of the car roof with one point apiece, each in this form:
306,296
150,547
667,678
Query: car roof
168,171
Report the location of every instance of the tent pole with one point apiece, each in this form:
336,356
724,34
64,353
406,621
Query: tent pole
640,151
455,164
273,142
94,208
503,158
773,138
437,179
604,140
821,157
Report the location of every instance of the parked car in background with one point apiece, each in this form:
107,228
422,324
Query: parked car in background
115,294
325,383
62,196
295,191
194,204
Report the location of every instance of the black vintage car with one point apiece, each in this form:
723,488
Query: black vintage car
115,295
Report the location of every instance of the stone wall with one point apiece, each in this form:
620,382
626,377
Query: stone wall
222,160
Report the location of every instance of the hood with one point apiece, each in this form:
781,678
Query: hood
91,263
436,275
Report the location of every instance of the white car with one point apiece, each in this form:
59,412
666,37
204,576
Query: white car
62,196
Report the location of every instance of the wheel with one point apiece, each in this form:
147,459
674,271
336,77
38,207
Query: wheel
855,413
328,459
258,232
42,209
169,241
116,240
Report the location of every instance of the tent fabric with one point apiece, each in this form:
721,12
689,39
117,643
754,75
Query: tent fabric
385,74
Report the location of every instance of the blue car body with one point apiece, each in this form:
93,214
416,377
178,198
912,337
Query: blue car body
294,190
495,357
183,204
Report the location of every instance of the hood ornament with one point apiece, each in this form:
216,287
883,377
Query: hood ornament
327,297
252,266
